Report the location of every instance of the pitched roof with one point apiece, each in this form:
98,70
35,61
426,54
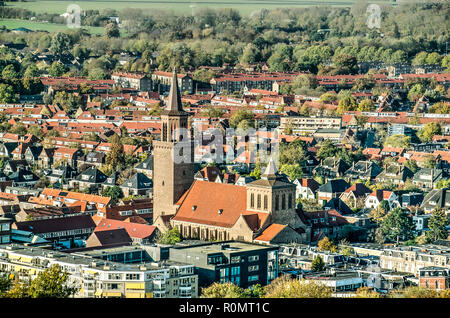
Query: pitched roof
82,221
112,237
134,230
230,199
270,232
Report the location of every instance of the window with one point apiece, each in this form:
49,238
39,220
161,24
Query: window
265,202
224,272
290,201
253,268
235,259
253,258
133,276
259,201
283,201
252,200
253,278
277,202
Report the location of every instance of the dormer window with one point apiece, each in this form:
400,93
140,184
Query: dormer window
220,211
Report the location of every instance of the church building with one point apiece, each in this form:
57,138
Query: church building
263,211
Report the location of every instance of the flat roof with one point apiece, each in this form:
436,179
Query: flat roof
231,247
85,259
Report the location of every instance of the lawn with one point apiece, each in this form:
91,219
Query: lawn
179,6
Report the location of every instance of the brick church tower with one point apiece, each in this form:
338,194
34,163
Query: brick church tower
172,176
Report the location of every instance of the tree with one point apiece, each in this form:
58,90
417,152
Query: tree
326,245
437,225
57,69
367,292
116,157
68,101
60,43
397,225
440,108
114,192
292,171
112,30
318,264
285,287
366,105
36,131
292,153
417,292
399,140
415,92
345,64
327,149
427,133
411,165
223,290
5,283
9,72
7,94
170,237
50,283
240,116
346,103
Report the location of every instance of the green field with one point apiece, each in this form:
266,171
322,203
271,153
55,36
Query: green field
178,6
41,26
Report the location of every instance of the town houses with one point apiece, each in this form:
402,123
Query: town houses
159,182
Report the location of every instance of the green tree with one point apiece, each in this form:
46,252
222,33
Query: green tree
411,165
292,171
346,103
427,133
57,69
224,290
397,225
366,105
285,287
367,292
50,283
327,149
436,226
240,116
326,245
401,141
68,101
417,292
7,94
5,283
60,43
9,72
114,192
415,92
170,237
112,30
318,264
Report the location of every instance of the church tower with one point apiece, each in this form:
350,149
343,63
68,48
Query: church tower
275,196
172,176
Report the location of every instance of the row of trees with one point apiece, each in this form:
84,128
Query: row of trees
282,38
285,287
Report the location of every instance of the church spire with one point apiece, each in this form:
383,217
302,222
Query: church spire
174,105
271,171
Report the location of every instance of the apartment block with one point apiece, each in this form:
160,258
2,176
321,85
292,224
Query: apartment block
301,125
98,277
240,263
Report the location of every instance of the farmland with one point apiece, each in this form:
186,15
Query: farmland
178,6
42,26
